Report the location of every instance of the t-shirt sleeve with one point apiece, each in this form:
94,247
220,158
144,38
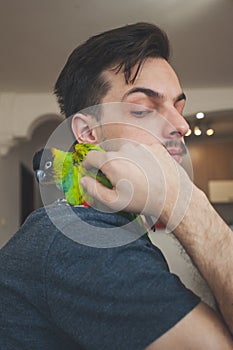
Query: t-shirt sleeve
118,298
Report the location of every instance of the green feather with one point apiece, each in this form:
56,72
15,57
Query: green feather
68,170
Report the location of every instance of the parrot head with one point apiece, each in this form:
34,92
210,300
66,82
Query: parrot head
43,166
53,166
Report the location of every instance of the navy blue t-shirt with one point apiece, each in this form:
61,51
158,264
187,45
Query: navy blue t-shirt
59,291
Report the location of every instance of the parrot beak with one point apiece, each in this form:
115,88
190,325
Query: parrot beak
40,175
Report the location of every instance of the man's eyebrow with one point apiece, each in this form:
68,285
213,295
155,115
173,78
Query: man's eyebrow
147,92
181,97
151,93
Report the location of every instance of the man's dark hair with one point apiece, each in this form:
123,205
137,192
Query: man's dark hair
81,83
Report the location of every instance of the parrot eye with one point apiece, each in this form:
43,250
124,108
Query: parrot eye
48,165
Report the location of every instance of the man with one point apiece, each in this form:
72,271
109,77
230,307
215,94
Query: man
59,294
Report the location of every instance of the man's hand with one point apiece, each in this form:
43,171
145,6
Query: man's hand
145,179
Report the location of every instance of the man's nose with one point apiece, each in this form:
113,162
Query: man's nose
175,125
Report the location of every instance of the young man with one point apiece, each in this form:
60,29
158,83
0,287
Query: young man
59,294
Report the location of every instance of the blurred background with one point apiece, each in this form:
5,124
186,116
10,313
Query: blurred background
36,38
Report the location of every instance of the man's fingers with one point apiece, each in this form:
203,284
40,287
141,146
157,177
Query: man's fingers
129,150
94,159
96,190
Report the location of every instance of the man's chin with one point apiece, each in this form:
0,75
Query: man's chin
178,158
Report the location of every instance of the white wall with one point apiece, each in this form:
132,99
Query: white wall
19,114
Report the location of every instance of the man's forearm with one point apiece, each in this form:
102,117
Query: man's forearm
209,242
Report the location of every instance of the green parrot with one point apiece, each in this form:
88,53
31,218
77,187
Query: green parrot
64,169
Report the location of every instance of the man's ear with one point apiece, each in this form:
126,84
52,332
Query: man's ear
81,127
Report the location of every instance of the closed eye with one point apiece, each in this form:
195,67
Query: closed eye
140,113
179,105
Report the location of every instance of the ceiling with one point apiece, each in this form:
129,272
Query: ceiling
37,36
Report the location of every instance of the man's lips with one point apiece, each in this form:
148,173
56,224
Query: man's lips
177,154
176,149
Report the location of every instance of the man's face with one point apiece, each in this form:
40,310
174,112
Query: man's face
160,101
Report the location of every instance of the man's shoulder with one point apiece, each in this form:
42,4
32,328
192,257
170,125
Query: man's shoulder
79,224
34,234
